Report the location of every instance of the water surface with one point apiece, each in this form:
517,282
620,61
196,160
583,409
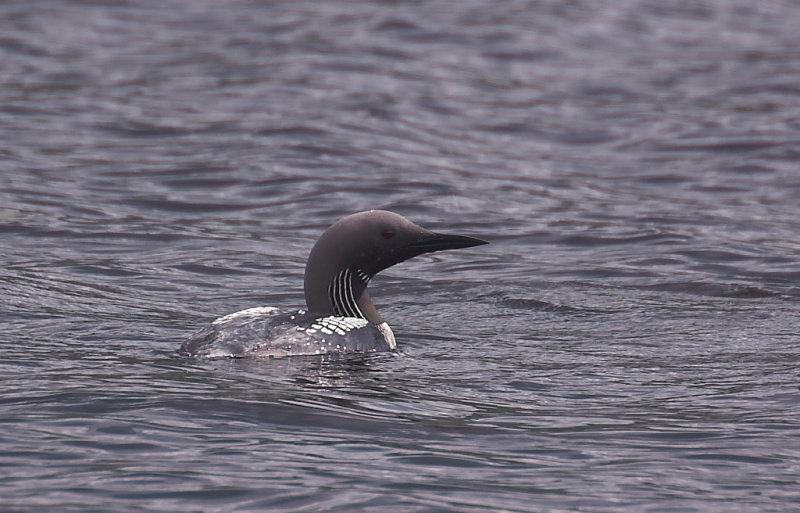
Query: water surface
627,342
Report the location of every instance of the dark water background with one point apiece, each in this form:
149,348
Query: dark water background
628,341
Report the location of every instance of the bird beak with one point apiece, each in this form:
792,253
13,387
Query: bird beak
431,241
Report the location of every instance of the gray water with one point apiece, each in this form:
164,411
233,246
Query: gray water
627,342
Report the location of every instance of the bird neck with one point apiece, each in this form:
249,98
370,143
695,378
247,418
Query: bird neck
348,296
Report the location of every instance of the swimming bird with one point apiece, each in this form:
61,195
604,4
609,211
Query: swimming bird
341,317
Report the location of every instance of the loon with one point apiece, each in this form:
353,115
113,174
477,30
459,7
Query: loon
340,317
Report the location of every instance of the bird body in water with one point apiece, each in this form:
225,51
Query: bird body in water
341,317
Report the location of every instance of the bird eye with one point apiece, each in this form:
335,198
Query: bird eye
387,234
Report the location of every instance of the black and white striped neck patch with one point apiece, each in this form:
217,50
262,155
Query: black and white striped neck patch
342,297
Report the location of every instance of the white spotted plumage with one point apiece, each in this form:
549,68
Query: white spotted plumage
334,324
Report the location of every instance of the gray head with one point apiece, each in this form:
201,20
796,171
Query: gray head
356,248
